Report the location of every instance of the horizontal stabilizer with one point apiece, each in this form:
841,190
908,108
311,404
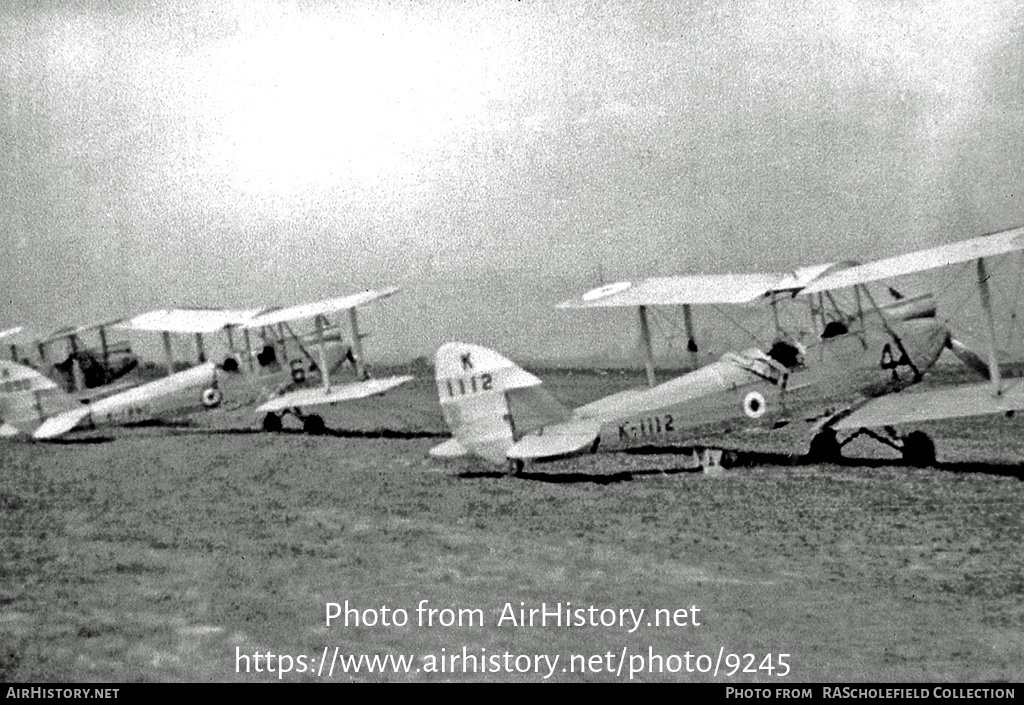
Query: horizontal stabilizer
318,396
949,403
60,424
448,449
558,440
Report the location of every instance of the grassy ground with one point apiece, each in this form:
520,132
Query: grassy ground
165,554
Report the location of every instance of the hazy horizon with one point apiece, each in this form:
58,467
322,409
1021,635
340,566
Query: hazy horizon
490,158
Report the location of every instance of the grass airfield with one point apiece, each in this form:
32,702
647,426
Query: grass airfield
165,553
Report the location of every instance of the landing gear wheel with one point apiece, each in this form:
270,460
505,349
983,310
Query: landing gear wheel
271,423
918,449
313,425
825,447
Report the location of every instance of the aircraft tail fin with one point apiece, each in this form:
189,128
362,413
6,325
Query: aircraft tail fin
28,398
488,401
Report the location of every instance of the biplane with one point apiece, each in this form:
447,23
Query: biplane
855,369
286,373
83,369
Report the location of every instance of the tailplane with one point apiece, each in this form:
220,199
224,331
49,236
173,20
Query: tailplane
488,401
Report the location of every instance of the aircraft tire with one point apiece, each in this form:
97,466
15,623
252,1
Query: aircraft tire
918,449
271,423
825,447
313,425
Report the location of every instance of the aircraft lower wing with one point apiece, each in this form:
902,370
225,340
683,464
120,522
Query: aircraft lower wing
319,396
448,449
60,424
557,440
950,403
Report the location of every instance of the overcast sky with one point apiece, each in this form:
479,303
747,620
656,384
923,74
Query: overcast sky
490,157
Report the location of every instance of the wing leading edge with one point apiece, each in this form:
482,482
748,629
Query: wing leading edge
319,308
318,396
198,320
700,288
949,403
980,247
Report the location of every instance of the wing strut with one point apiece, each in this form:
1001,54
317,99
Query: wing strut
325,374
248,349
890,331
168,352
357,343
645,345
990,328
691,340
200,349
104,347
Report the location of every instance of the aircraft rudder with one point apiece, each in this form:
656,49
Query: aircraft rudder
472,384
463,369
28,398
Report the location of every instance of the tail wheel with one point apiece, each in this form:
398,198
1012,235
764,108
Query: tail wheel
272,423
825,447
314,425
918,449
515,466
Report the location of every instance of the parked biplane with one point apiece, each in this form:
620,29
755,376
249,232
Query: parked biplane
856,369
82,369
288,373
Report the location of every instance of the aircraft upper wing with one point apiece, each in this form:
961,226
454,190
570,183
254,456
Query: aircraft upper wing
699,288
196,320
10,332
68,332
964,251
948,403
318,308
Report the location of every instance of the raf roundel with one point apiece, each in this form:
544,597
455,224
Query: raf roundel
211,397
754,405
606,290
